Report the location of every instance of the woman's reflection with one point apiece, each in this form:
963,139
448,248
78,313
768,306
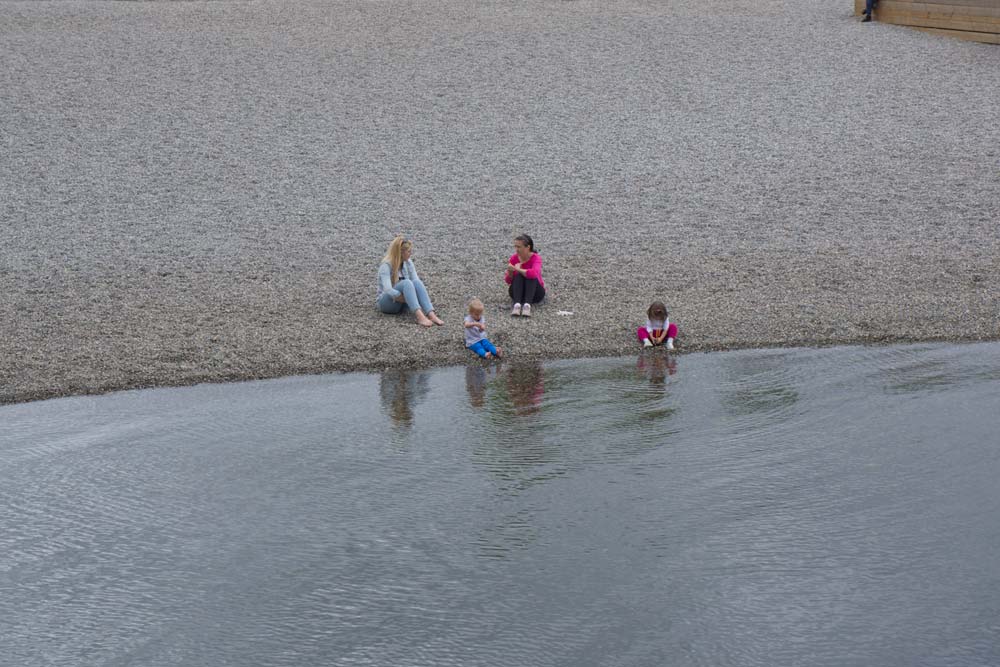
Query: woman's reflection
400,390
525,386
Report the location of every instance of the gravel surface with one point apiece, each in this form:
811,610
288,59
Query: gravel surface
202,191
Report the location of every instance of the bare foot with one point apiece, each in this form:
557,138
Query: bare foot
435,319
423,321
489,355
499,353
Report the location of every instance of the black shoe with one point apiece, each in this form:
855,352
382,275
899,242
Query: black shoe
867,18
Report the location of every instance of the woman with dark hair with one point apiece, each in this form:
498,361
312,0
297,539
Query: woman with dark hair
524,275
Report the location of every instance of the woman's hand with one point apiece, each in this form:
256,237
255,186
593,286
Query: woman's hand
400,298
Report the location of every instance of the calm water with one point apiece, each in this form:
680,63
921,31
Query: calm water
795,507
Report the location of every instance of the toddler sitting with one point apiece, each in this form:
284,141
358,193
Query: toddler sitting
475,332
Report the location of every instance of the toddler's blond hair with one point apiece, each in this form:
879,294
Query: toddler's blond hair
476,306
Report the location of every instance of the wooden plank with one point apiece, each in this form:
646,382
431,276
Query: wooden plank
974,20
981,13
986,37
987,23
944,23
983,25
989,7
983,4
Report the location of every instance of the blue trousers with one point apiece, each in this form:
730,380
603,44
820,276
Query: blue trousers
870,5
481,347
415,294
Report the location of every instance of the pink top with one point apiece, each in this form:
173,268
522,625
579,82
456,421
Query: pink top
532,268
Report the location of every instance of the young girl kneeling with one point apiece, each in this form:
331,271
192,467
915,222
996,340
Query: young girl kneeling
475,332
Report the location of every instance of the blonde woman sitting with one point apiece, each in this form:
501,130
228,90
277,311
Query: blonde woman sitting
399,286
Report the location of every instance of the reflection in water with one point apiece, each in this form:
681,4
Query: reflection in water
525,387
656,365
476,378
617,524
400,390
636,399
521,453
518,458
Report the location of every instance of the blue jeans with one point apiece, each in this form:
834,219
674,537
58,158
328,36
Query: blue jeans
869,6
481,347
415,294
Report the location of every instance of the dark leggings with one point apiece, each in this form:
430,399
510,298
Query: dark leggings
525,290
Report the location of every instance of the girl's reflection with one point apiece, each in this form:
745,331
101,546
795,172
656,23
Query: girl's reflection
657,365
400,390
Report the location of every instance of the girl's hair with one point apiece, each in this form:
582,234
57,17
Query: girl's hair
476,305
526,240
657,311
394,255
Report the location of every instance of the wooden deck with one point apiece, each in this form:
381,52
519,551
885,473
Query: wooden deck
976,20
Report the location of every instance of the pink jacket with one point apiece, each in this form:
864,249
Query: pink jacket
533,268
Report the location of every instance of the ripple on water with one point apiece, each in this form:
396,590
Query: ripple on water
599,512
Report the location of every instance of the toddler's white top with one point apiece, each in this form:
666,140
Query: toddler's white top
472,334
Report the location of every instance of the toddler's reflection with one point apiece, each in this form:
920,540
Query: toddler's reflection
400,390
476,378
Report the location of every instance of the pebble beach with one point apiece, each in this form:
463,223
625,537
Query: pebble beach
202,191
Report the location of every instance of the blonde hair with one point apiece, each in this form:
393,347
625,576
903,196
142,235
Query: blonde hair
394,256
475,305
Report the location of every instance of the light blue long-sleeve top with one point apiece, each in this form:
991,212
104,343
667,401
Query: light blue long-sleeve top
386,281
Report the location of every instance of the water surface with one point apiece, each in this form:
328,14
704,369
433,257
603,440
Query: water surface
793,507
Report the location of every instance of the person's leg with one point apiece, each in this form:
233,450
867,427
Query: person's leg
869,6
516,292
425,302
517,288
530,286
643,336
489,347
671,335
533,293
409,291
423,298
388,305
479,348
